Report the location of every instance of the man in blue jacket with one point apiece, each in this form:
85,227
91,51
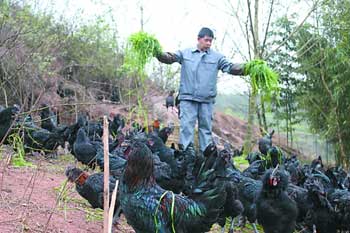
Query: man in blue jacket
199,70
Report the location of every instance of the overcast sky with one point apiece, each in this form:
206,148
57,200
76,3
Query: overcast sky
176,23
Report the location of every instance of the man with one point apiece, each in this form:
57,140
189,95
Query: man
199,69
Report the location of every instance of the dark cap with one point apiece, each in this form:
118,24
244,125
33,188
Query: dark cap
205,32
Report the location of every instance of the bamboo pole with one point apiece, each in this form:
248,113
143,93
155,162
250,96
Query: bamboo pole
111,209
105,176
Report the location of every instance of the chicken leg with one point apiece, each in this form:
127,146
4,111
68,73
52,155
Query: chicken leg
254,228
231,230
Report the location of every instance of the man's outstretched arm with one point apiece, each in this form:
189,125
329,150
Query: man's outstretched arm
169,58
232,68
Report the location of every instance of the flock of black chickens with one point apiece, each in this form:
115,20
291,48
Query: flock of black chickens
275,191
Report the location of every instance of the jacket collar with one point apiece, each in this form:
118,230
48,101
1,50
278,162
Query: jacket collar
196,50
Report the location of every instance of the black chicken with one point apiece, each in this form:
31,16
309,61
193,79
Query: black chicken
338,177
158,147
149,208
233,206
293,166
163,172
248,190
48,118
255,169
320,176
274,157
254,156
84,150
38,139
340,200
164,133
321,215
265,142
72,131
116,163
94,129
90,187
7,116
170,100
276,212
166,177
116,125
301,197
317,163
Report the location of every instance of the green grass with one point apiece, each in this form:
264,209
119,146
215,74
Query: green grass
240,162
93,215
263,79
142,47
18,157
248,228
69,202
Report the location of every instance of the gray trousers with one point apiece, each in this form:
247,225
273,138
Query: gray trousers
190,112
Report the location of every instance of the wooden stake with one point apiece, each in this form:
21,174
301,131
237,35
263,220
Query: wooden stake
105,175
111,209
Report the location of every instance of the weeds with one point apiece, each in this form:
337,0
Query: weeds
66,197
18,146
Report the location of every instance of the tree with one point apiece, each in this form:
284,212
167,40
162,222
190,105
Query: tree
325,65
285,64
254,19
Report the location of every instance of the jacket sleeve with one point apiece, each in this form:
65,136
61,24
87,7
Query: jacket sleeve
232,68
169,58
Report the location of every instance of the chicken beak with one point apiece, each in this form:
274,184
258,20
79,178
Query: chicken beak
274,171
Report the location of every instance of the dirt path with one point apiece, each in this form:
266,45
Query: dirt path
29,195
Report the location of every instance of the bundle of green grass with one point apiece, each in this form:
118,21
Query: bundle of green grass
142,47
263,79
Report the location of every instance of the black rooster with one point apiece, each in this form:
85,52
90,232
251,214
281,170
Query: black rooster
90,187
149,208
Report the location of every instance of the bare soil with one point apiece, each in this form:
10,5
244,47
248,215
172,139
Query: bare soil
29,195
